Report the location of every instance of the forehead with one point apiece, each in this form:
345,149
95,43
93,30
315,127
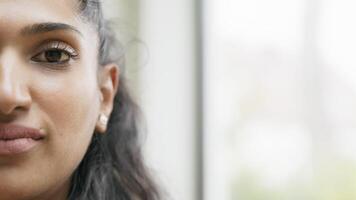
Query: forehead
17,13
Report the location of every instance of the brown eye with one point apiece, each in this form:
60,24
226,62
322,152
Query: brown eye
52,56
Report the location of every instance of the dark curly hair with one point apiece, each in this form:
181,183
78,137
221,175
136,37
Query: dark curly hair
112,168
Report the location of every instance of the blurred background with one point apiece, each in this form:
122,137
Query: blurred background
245,99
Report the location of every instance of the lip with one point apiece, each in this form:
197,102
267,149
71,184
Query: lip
16,139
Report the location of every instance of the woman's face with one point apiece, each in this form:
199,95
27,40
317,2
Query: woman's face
49,81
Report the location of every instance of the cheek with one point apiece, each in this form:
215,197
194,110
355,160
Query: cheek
68,106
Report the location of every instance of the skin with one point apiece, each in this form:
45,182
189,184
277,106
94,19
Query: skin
63,101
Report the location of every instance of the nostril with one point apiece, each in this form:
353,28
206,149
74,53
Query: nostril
14,88
14,101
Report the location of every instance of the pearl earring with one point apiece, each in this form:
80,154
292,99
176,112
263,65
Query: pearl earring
103,119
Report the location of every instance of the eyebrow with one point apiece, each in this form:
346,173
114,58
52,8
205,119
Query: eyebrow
47,27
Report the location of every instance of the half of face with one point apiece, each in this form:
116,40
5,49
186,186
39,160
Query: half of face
52,92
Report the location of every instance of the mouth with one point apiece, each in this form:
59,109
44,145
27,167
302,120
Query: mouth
16,139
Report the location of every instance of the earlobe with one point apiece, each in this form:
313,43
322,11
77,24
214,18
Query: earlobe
102,123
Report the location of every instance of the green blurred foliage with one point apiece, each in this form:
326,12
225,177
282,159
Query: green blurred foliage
329,180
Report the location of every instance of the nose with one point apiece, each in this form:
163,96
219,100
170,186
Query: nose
14,94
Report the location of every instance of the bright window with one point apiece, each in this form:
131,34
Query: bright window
280,99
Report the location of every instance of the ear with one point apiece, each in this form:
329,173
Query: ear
108,86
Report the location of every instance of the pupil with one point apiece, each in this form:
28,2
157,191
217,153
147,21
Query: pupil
53,56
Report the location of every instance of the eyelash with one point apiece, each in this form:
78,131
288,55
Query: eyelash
54,46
